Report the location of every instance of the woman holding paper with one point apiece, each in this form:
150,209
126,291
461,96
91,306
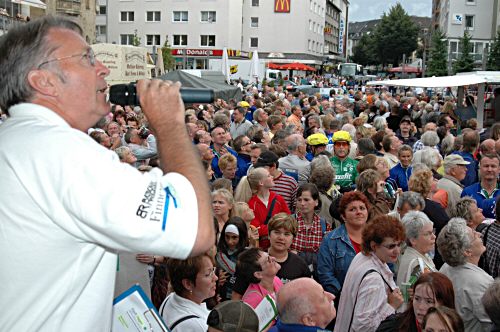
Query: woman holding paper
193,280
420,240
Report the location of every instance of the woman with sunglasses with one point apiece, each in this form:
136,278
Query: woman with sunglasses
369,294
193,281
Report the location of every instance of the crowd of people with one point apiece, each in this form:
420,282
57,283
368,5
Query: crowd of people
305,185
364,211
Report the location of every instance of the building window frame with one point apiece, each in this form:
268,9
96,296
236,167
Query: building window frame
153,40
254,42
472,21
254,22
208,16
155,16
255,3
207,40
179,40
103,10
127,16
180,16
128,38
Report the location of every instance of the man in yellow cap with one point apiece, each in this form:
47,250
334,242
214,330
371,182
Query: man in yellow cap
345,167
317,144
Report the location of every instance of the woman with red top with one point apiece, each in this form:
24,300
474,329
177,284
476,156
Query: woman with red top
264,203
340,246
311,227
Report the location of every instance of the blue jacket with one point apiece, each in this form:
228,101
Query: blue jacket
471,175
401,176
243,161
335,256
483,202
215,161
282,327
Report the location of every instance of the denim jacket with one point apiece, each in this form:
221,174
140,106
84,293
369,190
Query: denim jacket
335,256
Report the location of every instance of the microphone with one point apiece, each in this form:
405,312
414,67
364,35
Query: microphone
126,94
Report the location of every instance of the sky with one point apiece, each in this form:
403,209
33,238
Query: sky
364,10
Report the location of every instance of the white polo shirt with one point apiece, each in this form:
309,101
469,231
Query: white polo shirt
67,206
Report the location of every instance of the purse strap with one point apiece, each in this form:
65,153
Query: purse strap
356,300
270,211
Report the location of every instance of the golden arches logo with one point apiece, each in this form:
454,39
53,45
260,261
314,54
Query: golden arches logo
282,6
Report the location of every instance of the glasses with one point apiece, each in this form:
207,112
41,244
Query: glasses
89,55
430,233
211,273
392,245
341,144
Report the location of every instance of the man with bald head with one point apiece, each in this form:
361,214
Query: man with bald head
313,310
487,147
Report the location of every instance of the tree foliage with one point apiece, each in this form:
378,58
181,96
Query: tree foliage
395,35
438,62
465,61
168,58
494,54
363,52
136,40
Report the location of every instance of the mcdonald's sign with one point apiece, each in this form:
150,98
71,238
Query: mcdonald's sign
282,6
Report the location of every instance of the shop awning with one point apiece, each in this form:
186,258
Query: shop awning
297,66
31,3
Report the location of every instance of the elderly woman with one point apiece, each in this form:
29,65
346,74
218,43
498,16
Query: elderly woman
461,247
420,241
369,294
430,139
467,209
429,157
193,281
259,269
341,245
324,178
408,201
372,185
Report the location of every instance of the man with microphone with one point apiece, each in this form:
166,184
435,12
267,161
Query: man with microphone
67,205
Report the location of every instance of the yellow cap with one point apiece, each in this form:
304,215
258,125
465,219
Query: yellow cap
341,135
317,139
244,104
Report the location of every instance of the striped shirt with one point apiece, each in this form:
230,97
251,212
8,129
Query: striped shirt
286,187
371,293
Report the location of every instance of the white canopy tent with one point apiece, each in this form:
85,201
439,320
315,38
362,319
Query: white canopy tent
481,78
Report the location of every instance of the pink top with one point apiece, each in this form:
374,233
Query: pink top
255,293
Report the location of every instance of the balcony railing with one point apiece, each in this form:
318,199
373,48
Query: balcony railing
72,7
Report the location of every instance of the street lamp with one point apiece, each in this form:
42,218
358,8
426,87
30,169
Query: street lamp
424,40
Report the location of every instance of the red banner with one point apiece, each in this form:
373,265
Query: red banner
196,52
282,6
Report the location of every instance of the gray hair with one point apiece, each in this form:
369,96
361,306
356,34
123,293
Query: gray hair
430,138
427,156
350,129
462,208
257,114
447,144
121,151
413,199
419,167
22,50
295,308
453,240
293,142
320,161
413,222
380,123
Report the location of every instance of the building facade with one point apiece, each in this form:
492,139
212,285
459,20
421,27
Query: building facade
336,29
82,11
197,30
477,17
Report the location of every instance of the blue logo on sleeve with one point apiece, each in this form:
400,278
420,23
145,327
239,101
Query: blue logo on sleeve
168,194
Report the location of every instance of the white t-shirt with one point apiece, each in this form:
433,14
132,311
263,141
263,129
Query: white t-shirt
67,206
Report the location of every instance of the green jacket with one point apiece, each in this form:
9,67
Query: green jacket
345,171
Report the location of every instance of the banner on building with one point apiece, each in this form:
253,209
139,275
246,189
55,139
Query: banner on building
341,36
282,6
457,19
